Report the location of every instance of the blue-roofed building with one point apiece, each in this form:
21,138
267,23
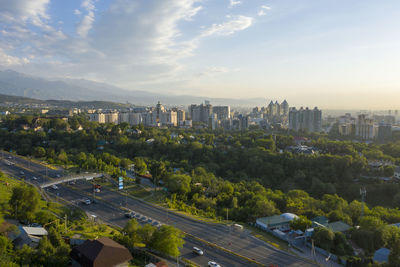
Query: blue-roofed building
382,255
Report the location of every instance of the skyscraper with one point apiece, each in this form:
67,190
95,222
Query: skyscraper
284,108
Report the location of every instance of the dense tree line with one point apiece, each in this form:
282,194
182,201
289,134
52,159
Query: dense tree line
245,174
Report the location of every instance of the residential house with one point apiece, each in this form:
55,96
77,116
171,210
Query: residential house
102,252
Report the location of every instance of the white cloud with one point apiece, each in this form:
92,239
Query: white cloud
86,23
7,60
22,11
263,10
132,43
230,27
216,70
233,3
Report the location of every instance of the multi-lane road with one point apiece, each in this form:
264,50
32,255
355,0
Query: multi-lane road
108,208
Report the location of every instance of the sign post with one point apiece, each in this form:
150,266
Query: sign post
120,183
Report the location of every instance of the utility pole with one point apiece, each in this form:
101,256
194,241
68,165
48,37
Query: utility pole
363,193
66,217
126,198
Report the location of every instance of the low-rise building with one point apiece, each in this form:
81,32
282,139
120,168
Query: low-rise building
103,252
279,222
29,236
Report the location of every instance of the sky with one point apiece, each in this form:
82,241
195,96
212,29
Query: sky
331,53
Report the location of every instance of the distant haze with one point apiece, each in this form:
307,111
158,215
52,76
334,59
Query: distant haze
336,54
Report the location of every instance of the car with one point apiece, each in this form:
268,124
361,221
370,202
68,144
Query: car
96,190
58,176
130,214
54,187
21,172
144,218
71,182
34,178
213,264
138,216
198,251
86,201
149,220
155,223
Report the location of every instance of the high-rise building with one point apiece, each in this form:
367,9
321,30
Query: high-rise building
223,112
181,114
305,119
123,117
384,132
111,117
135,118
201,113
284,108
97,117
365,129
169,118
213,121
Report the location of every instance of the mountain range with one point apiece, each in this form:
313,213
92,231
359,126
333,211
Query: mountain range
19,84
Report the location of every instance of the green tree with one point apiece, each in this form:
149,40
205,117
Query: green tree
179,183
131,230
167,239
394,256
140,166
145,233
371,223
158,171
301,223
24,202
39,152
323,237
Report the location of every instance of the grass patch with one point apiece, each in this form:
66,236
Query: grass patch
6,186
269,238
90,230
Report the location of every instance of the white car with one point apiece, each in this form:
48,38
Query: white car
34,178
213,264
198,251
21,172
54,187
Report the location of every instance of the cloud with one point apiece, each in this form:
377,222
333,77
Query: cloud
132,43
233,3
23,11
215,70
86,23
239,23
263,10
7,60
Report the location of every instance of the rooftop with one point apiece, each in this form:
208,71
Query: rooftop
338,226
102,252
382,255
277,219
35,231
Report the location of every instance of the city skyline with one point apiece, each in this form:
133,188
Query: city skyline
334,55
